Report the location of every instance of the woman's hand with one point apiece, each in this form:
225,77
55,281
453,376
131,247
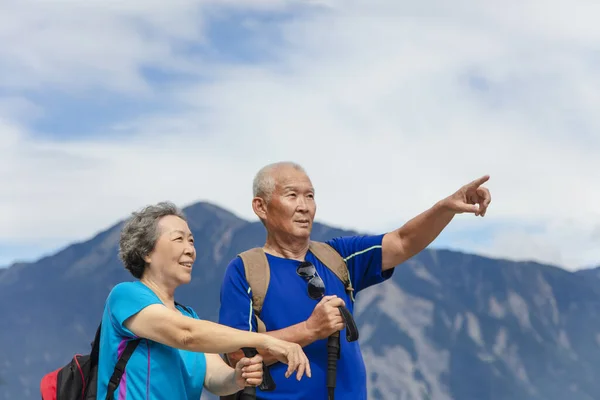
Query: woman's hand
249,372
290,354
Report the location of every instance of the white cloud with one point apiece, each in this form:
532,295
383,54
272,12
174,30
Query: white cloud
560,243
390,106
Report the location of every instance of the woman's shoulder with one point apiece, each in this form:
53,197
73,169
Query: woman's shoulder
123,286
126,289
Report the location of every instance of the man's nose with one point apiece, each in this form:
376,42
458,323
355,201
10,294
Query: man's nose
302,204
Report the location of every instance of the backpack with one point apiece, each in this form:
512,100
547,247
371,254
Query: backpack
78,380
258,275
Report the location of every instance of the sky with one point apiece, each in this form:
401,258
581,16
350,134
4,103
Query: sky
390,106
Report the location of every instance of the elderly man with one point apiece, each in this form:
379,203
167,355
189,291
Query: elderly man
284,200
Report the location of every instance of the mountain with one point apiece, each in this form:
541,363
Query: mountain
592,273
447,326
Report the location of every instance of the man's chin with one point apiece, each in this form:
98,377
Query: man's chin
302,233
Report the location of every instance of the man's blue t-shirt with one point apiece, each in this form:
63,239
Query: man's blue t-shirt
154,371
287,303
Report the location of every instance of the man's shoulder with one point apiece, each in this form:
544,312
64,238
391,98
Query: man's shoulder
235,272
235,264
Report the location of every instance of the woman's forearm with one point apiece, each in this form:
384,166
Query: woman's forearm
209,337
159,324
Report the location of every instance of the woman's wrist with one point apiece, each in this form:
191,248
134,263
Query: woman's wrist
235,381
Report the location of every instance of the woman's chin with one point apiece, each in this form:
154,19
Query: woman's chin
184,279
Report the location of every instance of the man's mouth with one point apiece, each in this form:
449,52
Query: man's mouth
187,264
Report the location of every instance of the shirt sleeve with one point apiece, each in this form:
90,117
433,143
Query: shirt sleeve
236,299
124,301
363,257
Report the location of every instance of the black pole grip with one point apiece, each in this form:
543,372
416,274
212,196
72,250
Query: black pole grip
268,384
333,349
249,392
333,353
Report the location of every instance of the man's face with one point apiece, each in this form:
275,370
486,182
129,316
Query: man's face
292,206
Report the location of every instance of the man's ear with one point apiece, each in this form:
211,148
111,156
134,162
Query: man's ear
259,205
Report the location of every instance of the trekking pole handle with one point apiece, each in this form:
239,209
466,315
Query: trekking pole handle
267,385
249,392
334,347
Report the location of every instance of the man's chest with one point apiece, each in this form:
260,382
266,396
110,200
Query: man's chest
287,301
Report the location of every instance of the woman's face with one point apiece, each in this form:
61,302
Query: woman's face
174,253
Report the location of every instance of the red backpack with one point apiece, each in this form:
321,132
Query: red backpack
78,379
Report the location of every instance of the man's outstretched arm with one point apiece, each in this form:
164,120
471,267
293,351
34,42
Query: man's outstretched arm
414,236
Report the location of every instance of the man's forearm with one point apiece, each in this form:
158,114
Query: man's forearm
419,232
415,235
299,333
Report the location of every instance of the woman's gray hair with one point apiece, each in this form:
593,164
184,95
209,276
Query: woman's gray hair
264,183
140,233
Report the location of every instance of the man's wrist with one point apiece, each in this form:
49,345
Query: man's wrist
310,335
443,206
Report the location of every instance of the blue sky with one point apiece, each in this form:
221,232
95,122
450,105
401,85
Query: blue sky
389,105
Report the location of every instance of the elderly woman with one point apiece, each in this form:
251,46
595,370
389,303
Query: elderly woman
178,354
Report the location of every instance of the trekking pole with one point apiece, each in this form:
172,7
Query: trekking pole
249,392
334,347
268,384
333,354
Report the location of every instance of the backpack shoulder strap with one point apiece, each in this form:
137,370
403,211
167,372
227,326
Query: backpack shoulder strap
258,275
120,368
334,261
186,308
96,346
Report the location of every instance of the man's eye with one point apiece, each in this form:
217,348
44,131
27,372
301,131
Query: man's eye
178,238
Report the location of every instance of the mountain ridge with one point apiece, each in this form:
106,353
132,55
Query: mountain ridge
448,325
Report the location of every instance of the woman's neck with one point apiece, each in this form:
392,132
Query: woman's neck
165,294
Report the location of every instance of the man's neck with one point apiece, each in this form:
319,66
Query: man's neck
165,295
292,249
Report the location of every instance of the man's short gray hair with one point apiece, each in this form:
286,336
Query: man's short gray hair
264,182
140,233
